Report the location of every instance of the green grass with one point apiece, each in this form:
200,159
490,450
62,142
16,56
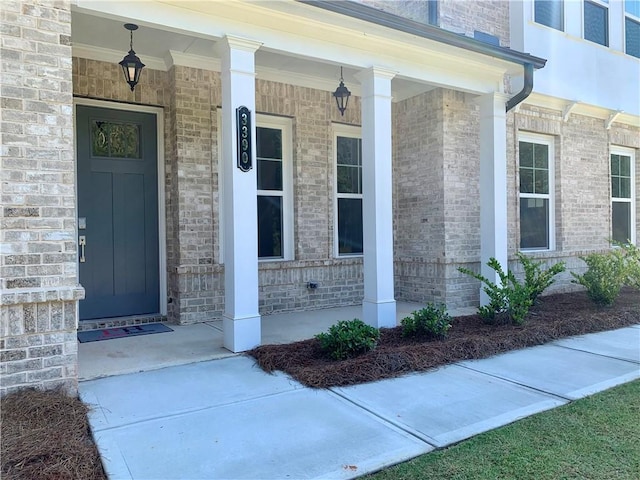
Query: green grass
593,438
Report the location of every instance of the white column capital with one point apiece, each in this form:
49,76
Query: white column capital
240,43
375,71
489,102
376,81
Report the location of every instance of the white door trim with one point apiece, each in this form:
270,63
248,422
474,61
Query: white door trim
162,226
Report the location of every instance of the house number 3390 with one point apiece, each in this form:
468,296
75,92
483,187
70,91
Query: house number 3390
243,125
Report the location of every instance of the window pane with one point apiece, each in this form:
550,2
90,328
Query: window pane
549,13
541,156
349,180
632,37
526,180
526,154
621,221
625,188
269,143
349,151
615,164
119,140
269,227
534,223
625,166
615,187
595,23
349,226
269,174
632,7
541,183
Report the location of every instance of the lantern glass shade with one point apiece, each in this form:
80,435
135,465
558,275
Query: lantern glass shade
131,68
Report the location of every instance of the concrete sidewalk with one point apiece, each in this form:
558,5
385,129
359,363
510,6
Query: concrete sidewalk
226,419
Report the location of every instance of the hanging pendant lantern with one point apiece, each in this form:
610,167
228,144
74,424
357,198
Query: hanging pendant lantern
342,95
131,64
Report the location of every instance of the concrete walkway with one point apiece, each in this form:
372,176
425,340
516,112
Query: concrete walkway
226,419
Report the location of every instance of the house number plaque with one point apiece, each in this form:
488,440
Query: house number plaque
243,125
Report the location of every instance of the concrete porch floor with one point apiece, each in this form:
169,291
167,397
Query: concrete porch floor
203,341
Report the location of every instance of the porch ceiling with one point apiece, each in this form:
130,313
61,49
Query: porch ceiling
105,39
302,45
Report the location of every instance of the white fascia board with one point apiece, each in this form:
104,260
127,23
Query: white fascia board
342,42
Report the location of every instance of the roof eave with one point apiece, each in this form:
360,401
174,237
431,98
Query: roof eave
379,17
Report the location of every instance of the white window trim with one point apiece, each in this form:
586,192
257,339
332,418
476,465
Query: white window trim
628,152
349,131
550,142
284,124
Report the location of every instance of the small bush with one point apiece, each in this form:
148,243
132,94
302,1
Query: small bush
604,277
348,339
431,321
536,279
508,302
631,258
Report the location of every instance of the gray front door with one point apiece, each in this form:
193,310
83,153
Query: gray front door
117,212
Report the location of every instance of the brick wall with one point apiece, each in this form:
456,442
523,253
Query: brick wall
419,204
417,10
436,169
39,291
463,16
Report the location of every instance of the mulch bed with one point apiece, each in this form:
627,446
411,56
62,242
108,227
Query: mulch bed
554,317
46,436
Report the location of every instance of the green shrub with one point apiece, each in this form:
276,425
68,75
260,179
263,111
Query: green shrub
604,277
348,339
508,302
430,321
631,258
537,279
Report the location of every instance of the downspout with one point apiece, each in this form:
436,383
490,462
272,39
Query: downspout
526,90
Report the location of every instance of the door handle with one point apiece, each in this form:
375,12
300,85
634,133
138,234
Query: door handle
82,241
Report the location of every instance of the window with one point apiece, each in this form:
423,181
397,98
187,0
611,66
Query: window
632,27
549,13
348,158
117,140
622,193
274,172
596,22
536,192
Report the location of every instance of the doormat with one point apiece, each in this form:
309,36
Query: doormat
121,332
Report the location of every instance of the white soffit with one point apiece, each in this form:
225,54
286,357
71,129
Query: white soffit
579,108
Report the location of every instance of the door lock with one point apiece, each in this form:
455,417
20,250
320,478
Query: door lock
82,241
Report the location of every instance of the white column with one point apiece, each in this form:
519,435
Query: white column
493,185
379,305
241,319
